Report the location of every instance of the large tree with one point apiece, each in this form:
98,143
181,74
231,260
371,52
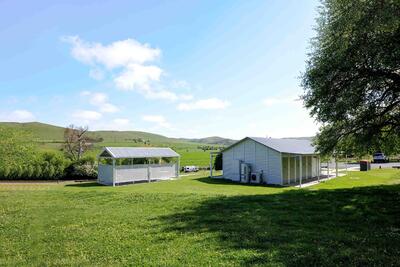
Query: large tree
352,79
76,141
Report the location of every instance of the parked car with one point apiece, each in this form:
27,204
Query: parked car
190,169
379,157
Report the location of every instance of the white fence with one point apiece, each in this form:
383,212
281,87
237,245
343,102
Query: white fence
133,173
105,174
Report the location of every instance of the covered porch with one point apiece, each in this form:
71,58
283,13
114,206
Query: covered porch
299,168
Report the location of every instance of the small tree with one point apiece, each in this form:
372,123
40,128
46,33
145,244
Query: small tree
76,141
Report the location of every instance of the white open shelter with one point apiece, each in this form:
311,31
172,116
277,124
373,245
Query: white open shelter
120,165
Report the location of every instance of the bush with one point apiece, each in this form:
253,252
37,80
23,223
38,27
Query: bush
50,166
47,166
84,168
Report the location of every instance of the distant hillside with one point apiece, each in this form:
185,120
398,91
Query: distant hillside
215,140
39,130
47,132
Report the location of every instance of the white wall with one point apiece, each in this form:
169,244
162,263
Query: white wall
133,173
105,174
260,158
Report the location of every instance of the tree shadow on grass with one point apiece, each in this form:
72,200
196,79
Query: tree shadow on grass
357,227
222,181
85,184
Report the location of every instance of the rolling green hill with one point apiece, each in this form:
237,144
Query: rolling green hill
214,140
50,137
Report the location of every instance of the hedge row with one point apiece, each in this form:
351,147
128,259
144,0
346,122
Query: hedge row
49,166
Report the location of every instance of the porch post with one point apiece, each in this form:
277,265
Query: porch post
295,169
288,169
301,169
211,169
306,167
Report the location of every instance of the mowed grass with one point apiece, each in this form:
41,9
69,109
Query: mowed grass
196,221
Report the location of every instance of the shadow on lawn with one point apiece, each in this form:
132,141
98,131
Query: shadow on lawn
359,226
85,184
222,181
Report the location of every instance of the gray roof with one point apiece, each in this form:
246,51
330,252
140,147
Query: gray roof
292,146
139,152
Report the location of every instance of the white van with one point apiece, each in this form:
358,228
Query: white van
190,169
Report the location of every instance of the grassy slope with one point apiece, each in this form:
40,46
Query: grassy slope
199,221
47,132
50,138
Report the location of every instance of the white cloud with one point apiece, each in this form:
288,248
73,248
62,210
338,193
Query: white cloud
87,115
129,63
138,77
127,56
114,55
158,119
100,100
210,103
19,115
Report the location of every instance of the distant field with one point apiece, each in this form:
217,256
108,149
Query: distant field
50,138
197,158
352,220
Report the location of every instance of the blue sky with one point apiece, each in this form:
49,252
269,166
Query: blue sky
178,68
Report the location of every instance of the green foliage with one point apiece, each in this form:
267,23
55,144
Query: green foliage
38,171
30,171
16,148
352,80
85,168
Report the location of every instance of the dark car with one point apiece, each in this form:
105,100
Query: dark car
379,157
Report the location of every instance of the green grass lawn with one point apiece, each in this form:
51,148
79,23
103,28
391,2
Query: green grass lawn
351,220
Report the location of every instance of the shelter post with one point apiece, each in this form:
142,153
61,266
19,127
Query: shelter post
113,171
148,172
179,166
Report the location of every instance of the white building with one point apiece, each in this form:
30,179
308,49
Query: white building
121,165
270,161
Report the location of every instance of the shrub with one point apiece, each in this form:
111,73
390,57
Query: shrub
37,172
30,171
84,168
